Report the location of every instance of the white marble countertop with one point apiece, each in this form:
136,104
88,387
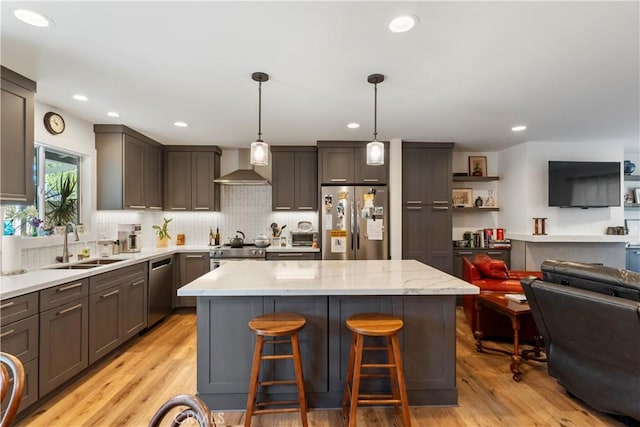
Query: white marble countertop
286,278
44,277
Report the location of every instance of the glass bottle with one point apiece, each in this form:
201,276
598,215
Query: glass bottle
217,237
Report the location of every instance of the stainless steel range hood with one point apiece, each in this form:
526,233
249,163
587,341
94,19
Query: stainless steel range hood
245,174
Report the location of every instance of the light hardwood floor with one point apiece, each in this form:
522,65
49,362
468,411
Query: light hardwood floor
128,387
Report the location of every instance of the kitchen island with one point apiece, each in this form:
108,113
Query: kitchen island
326,293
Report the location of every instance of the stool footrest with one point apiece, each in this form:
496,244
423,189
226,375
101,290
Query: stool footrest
277,382
375,376
376,348
277,357
277,341
376,396
378,365
379,402
275,411
278,402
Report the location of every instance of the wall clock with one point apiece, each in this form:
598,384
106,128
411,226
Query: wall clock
54,123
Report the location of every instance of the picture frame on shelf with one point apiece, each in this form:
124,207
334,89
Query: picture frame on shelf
477,165
462,197
636,195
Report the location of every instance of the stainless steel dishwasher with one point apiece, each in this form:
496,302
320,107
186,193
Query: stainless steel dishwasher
160,285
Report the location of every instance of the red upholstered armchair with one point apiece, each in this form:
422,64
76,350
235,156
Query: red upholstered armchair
491,275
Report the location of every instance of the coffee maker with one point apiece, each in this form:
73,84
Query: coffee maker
130,236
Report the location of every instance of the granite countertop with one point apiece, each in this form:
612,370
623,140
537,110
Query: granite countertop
280,278
46,277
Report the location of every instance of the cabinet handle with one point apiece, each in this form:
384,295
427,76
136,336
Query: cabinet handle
195,256
290,255
414,208
338,179
155,207
9,304
206,208
66,288
7,333
494,253
440,202
139,282
110,293
136,207
66,310
305,207
440,208
635,253
458,253
371,180
283,208
178,209
414,202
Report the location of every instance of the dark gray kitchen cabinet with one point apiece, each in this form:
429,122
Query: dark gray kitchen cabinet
633,259
293,256
503,254
117,308
313,339
190,267
17,134
64,343
345,162
129,169
294,178
426,206
189,172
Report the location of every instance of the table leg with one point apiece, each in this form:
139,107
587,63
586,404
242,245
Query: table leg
516,359
478,333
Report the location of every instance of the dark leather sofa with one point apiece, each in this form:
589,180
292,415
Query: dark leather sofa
589,317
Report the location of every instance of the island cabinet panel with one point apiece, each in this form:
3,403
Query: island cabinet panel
190,267
313,343
225,348
17,129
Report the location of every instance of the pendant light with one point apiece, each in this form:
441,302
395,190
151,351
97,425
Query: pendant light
259,149
375,149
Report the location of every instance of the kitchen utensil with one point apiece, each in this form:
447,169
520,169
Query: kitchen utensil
237,241
261,241
304,226
274,229
280,231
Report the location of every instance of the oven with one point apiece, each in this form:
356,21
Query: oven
220,255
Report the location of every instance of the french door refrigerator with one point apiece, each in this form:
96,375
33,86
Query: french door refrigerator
353,222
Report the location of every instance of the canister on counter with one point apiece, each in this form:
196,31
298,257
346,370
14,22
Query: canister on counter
180,239
499,233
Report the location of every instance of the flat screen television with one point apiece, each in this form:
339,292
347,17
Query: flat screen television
584,184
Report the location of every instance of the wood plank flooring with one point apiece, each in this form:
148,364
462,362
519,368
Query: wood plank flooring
128,387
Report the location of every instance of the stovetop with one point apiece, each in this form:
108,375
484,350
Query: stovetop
248,250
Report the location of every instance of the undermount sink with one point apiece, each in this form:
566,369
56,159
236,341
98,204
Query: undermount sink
84,265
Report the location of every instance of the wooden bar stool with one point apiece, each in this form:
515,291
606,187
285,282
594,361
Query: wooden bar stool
276,325
374,325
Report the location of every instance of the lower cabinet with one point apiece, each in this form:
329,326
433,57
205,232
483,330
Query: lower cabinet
64,343
190,267
633,259
470,253
117,312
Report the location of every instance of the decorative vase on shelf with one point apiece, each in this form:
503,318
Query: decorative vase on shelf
8,228
629,167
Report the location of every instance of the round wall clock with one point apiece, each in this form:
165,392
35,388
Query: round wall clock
54,123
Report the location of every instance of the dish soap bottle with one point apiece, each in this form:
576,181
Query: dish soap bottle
217,237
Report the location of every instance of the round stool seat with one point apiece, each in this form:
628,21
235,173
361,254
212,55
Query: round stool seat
374,324
277,324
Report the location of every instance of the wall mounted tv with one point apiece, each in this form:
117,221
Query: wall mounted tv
584,184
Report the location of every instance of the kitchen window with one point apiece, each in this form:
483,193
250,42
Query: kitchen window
50,165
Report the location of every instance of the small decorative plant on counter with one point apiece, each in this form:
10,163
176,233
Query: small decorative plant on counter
162,233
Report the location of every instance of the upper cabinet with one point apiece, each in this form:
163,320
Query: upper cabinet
345,162
294,178
129,169
188,176
17,135
426,173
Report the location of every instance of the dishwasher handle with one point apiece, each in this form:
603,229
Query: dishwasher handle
161,264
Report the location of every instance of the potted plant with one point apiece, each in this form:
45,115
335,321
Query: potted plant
60,205
162,233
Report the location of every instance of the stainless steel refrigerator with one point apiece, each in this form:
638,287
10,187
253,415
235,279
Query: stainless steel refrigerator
354,222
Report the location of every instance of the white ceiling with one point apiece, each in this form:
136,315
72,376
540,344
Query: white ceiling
467,73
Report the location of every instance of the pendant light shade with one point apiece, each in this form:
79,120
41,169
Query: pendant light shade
260,149
375,149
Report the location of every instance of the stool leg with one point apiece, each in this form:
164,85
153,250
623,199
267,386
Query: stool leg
406,419
347,381
253,383
355,386
393,374
297,363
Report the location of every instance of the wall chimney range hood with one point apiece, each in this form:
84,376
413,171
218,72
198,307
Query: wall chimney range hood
244,175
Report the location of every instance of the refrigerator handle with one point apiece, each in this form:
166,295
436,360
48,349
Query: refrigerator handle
353,225
357,203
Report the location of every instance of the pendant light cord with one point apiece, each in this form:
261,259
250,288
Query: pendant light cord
260,111
375,112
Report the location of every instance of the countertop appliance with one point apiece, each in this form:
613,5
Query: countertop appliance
353,222
130,237
303,238
160,287
218,255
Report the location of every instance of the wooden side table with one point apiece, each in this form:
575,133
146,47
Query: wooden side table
515,311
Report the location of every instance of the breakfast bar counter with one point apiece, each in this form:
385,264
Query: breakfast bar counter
326,293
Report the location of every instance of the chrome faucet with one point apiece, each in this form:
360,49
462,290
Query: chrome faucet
65,247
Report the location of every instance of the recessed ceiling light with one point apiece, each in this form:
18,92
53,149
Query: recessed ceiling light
32,18
180,124
353,125
518,128
402,24
79,97
113,114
